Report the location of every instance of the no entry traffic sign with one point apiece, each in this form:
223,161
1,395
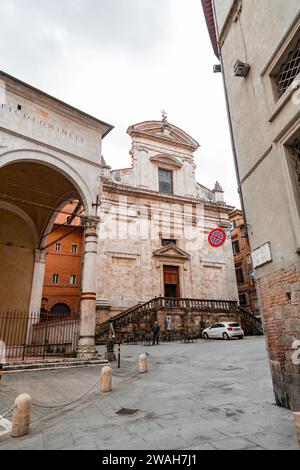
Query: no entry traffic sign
217,237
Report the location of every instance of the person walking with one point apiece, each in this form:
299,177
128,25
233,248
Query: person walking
155,333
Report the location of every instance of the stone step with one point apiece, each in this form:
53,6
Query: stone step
48,364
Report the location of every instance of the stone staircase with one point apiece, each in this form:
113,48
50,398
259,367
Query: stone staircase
189,316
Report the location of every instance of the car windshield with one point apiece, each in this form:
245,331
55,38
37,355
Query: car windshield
234,325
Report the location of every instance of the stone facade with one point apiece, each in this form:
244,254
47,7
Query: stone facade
138,220
264,111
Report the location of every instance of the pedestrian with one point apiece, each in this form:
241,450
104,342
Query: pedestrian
155,333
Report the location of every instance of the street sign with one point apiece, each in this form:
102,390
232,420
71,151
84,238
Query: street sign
217,237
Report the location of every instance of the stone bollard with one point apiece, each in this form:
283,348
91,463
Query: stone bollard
105,379
143,367
21,415
297,421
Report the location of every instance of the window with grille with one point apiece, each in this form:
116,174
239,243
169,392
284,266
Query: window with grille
288,69
55,278
58,247
73,280
165,179
74,248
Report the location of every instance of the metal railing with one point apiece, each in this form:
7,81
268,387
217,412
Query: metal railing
30,335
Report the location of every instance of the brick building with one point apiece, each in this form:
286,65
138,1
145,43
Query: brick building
62,282
258,45
243,263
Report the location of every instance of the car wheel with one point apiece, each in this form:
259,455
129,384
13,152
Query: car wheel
205,335
241,337
225,336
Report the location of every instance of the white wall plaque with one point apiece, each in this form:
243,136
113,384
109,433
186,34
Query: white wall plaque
262,255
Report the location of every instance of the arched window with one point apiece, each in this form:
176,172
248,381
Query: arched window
61,310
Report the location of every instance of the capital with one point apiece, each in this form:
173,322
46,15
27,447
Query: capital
90,224
40,256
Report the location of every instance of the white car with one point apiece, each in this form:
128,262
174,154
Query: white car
225,330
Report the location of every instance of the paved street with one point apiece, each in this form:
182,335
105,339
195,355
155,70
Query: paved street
206,395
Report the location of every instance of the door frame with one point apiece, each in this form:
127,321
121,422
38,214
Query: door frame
178,285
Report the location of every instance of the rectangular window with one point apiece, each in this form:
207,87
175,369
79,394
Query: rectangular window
74,248
73,280
166,242
55,278
165,179
57,247
236,247
239,276
243,299
233,224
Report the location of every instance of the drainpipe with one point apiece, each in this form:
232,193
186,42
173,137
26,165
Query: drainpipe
234,152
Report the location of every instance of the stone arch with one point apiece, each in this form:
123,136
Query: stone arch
34,187
55,162
19,212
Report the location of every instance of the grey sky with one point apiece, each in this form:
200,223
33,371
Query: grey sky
124,61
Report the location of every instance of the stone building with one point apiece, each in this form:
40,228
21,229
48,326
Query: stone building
156,221
62,281
243,263
258,44
50,153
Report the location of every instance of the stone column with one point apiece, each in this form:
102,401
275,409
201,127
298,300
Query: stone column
86,346
37,281
36,291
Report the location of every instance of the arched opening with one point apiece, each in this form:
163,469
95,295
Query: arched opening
60,310
37,191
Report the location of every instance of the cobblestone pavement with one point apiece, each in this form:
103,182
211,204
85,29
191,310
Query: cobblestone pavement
206,395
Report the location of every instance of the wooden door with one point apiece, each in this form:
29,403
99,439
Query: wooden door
171,281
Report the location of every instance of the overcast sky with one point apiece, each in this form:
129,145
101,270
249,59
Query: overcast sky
123,61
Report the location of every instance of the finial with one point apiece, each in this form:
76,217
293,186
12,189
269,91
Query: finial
164,115
218,187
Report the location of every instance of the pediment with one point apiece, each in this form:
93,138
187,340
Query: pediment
171,251
164,131
166,159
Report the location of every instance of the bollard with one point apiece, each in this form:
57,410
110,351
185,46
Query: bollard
143,367
105,379
297,421
21,415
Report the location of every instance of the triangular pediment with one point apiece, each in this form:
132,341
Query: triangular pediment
171,251
166,159
164,131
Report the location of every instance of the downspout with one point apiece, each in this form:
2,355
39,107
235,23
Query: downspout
233,147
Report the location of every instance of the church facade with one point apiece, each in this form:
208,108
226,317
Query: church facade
155,222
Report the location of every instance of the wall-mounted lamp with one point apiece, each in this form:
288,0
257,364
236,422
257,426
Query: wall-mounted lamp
217,68
241,69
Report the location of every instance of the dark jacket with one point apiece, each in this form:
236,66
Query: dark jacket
156,329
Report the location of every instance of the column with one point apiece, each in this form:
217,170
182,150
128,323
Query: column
37,282
86,346
36,291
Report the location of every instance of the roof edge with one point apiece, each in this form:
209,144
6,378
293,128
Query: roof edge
70,107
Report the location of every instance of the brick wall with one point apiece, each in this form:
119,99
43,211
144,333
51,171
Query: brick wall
279,295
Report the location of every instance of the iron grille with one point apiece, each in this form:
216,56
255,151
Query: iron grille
296,156
288,70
